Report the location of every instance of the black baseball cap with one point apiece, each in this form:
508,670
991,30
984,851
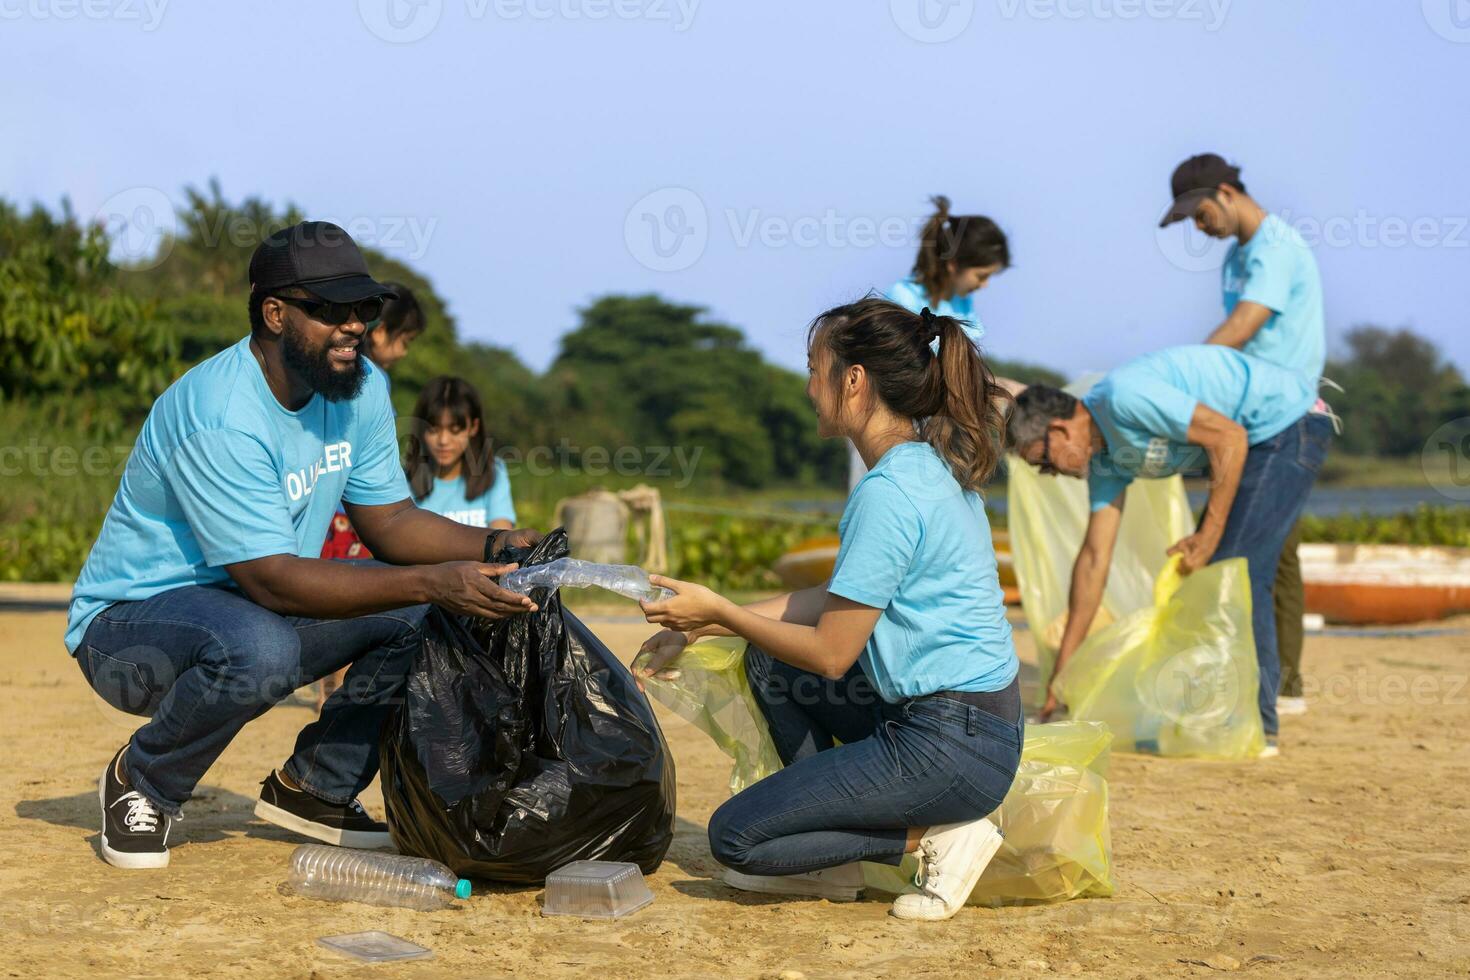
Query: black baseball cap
317,256
1194,180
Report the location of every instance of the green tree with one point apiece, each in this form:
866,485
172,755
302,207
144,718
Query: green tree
72,343
1397,389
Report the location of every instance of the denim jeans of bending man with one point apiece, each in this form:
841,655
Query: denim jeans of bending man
200,662
923,762
1278,476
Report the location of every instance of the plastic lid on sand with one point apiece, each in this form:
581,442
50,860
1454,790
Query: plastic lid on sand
596,890
462,889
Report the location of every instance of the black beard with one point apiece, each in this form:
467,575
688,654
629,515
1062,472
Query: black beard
315,368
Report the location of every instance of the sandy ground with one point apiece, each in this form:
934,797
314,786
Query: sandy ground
1345,857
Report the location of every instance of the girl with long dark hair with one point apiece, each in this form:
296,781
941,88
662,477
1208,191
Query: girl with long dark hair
450,462
904,657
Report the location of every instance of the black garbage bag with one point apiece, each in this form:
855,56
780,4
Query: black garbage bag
523,744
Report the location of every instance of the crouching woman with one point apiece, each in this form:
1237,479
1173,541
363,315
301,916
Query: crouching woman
890,693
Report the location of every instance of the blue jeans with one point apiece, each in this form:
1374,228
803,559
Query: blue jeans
200,662
1278,475
924,762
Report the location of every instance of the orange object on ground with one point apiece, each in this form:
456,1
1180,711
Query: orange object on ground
1377,583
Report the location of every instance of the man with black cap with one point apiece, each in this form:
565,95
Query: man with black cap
202,603
1273,310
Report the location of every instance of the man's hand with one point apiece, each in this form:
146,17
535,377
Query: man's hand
468,587
521,537
691,606
662,649
1195,551
1051,707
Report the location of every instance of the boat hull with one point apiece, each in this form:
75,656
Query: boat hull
1385,584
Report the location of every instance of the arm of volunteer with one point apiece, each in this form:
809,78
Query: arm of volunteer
402,533
1089,577
1243,323
1224,442
292,586
803,606
829,648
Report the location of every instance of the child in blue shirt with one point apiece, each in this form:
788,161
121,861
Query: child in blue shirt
958,256
905,657
451,467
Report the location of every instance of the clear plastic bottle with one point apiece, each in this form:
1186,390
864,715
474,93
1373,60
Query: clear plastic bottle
341,874
626,580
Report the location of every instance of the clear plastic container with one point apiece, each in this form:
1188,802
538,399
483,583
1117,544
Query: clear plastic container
626,580
596,890
375,947
341,874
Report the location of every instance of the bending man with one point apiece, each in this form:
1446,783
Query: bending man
1259,429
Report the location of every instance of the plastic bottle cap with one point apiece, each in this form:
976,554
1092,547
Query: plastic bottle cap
462,889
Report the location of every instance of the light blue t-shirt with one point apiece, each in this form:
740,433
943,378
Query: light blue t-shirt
909,294
1276,269
222,473
447,499
918,547
1144,409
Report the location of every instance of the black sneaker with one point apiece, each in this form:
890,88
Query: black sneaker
344,824
134,831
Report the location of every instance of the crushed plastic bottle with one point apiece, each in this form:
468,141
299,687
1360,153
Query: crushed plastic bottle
626,580
341,874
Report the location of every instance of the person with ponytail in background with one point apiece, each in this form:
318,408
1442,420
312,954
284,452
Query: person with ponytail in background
958,256
904,657
451,465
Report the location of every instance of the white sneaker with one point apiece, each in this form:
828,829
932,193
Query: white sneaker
951,859
1291,706
843,883
1271,750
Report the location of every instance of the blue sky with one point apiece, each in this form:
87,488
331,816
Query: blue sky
522,153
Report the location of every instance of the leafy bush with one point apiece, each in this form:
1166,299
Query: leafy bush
1424,525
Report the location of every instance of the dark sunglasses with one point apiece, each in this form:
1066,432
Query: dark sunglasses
365,311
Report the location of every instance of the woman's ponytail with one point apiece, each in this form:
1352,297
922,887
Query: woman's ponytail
931,268
966,426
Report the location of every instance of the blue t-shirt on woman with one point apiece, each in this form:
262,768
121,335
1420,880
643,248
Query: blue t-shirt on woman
917,546
447,499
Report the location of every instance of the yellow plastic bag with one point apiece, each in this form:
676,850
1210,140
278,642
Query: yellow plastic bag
1055,818
1178,678
1048,517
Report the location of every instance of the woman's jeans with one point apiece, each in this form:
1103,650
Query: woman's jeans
1278,475
200,662
927,761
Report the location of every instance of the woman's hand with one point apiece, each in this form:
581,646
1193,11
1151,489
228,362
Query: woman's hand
662,649
690,608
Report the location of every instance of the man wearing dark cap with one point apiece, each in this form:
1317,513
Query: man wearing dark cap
202,603
1273,310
